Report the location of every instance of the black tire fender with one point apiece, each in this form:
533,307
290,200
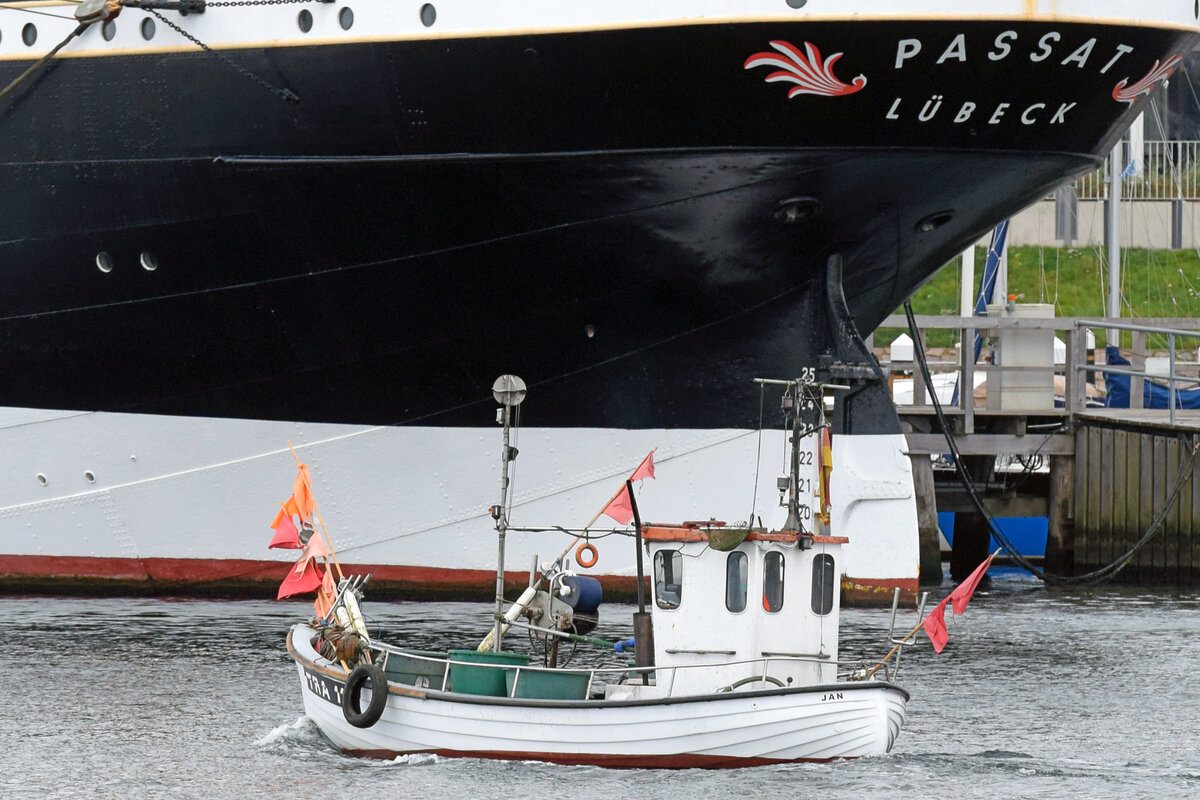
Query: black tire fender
352,697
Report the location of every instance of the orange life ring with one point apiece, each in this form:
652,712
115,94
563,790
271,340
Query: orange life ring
586,547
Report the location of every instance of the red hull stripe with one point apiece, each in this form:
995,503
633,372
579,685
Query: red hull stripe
250,578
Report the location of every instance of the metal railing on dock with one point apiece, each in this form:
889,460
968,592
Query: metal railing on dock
1041,373
1118,486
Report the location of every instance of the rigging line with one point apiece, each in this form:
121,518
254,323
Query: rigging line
762,399
4,7
484,515
80,28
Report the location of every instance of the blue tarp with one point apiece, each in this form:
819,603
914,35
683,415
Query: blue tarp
1153,395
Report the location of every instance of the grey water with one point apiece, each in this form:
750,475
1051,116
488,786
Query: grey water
1040,693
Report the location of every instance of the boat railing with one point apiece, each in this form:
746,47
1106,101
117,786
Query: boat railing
757,670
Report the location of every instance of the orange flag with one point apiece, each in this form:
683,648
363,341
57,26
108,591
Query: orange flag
302,493
288,509
325,595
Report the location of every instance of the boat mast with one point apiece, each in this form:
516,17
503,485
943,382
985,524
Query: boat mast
802,409
509,391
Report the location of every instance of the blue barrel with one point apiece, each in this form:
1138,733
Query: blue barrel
586,594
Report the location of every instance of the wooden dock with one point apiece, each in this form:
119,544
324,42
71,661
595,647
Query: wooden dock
1102,477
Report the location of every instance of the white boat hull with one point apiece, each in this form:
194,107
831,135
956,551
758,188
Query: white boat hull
183,504
820,723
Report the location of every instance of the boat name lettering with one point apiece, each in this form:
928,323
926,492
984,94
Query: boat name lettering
832,696
323,687
1032,114
1008,44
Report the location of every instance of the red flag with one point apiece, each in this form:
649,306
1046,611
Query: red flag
304,576
286,535
620,508
935,627
962,593
935,623
644,469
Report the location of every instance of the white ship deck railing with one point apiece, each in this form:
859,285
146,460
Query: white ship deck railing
1163,170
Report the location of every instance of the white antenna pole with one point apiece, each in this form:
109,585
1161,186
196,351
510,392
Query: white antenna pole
1114,238
966,290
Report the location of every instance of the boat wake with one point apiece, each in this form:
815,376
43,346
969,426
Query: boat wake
418,759
301,734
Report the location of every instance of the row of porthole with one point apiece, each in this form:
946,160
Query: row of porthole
108,30
149,261
89,476
304,20
29,33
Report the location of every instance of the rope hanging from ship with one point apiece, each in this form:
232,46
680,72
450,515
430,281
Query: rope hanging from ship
89,12
1187,459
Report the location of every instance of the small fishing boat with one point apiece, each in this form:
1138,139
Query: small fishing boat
735,663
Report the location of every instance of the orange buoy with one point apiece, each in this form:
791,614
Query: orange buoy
586,547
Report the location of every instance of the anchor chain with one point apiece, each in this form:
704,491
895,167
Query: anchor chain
287,95
221,3
89,12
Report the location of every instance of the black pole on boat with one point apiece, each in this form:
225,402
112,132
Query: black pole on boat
643,626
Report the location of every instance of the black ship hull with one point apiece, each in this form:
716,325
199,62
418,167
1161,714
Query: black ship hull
634,220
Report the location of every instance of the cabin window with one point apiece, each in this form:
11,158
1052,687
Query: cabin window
822,584
773,581
736,570
668,578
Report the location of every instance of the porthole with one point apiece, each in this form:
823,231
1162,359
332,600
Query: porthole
773,581
428,15
304,21
797,3
736,566
29,34
104,262
824,581
149,261
147,29
934,221
108,30
90,476
668,578
42,479
346,18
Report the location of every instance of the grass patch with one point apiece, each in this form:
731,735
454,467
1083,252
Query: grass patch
1154,283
